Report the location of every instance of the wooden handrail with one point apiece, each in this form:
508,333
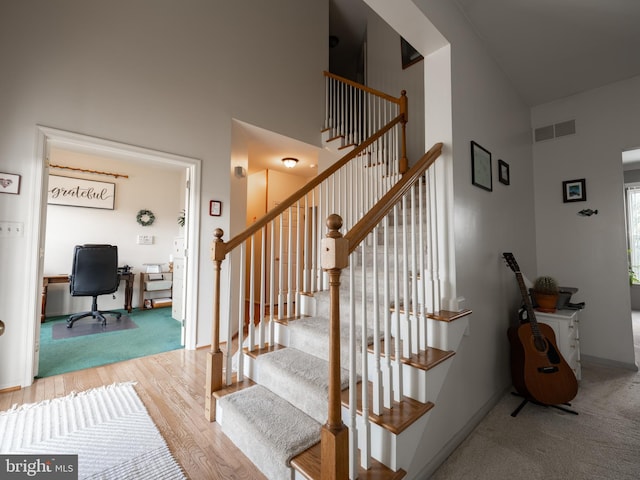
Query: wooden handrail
364,88
367,223
285,204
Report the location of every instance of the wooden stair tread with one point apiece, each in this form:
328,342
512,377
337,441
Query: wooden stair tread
234,387
441,315
449,316
286,320
308,464
396,419
261,351
348,145
424,360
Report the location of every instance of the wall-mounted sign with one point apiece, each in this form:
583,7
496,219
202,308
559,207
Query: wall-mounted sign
77,192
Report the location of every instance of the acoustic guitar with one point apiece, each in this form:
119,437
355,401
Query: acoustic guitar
538,370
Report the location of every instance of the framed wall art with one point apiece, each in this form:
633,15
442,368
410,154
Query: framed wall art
215,208
78,192
409,54
10,183
503,172
481,167
574,191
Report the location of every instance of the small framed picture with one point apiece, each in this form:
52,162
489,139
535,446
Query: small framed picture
10,183
574,191
481,167
215,208
503,172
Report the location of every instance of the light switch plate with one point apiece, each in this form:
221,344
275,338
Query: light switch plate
11,229
145,240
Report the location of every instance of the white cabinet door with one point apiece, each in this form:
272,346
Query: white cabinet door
177,307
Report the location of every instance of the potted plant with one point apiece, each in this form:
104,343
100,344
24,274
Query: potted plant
545,293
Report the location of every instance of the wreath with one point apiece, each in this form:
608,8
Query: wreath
145,217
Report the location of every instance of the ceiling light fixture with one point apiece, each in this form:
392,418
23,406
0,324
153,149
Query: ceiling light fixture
290,162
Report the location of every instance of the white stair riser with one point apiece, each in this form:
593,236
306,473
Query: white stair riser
394,451
424,385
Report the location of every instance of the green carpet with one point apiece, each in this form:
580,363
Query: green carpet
157,332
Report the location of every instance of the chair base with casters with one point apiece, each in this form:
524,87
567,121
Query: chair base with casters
95,313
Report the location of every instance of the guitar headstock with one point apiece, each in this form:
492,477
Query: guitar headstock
511,261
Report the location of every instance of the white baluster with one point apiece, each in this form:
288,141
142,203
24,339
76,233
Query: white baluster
407,340
241,310
353,375
365,450
252,269
398,391
388,372
377,377
263,260
272,271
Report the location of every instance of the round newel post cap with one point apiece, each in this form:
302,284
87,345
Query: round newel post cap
334,224
218,247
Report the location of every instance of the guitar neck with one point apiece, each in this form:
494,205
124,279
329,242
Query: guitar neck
527,303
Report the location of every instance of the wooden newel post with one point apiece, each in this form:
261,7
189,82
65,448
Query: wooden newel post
215,356
334,436
404,110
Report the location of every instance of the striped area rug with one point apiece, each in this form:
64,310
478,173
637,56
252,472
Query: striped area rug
107,427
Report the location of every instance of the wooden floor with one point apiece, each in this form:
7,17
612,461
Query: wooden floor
171,385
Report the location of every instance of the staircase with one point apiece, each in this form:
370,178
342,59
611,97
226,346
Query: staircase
354,322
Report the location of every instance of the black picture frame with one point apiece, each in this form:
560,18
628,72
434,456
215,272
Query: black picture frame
481,172
503,172
574,190
215,208
409,54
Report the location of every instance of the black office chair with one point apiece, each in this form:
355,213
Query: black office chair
94,272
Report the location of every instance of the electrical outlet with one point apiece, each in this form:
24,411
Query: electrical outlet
145,240
11,229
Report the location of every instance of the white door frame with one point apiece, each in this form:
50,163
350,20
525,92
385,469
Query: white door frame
48,137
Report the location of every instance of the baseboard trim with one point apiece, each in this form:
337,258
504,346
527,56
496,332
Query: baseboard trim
429,469
605,362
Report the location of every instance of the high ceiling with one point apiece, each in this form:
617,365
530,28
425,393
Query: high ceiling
549,49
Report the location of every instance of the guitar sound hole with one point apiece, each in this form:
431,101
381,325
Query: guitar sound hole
552,354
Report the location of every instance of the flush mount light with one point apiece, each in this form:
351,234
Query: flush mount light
289,162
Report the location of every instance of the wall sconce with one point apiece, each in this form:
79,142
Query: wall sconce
239,172
290,162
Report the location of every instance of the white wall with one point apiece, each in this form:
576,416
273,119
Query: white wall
154,73
145,188
590,252
385,73
470,99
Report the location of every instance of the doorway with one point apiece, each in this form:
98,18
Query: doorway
48,139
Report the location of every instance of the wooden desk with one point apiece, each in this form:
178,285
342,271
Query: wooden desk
50,279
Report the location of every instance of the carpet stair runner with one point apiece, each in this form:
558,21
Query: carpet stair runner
276,417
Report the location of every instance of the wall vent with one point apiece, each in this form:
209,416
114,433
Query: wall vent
550,132
565,128
544,133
